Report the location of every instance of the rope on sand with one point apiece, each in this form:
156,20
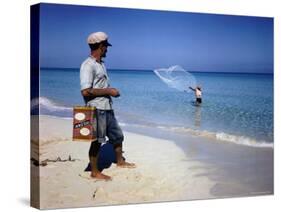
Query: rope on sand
45,162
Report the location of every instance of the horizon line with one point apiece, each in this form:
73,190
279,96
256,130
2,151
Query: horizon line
147,70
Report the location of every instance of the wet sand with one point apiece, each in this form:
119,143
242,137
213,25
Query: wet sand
237,170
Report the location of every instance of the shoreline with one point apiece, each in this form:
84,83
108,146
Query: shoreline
241,140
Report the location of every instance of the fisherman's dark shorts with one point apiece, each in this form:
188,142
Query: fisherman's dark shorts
107,126
199,100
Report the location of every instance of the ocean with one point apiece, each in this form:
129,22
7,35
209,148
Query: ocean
237,107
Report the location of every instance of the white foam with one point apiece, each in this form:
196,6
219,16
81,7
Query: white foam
221,136
122,124
44,102
242,140
225,137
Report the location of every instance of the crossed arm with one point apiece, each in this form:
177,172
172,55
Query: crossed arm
87,75
99,92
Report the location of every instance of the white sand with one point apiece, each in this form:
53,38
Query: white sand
163,173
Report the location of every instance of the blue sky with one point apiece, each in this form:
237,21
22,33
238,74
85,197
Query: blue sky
149,39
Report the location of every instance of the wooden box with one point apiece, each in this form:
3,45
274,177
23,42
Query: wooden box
84,124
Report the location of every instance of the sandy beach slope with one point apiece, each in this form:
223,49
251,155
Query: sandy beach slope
163,173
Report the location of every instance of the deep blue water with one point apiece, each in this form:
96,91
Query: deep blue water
235,106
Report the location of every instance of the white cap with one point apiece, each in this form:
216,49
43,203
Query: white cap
98,37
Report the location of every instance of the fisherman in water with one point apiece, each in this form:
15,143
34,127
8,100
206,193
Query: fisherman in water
198,94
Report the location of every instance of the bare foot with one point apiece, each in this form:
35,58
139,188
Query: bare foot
125,164
100,176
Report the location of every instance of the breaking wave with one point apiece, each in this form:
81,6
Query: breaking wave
48,104
218,136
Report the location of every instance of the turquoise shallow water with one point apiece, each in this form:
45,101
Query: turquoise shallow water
236,107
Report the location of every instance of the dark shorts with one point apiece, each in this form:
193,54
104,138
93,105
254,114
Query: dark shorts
199,100
107,126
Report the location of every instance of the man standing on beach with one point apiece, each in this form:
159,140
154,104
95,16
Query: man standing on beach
97,92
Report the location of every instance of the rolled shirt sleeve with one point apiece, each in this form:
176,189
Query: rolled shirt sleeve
86,76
